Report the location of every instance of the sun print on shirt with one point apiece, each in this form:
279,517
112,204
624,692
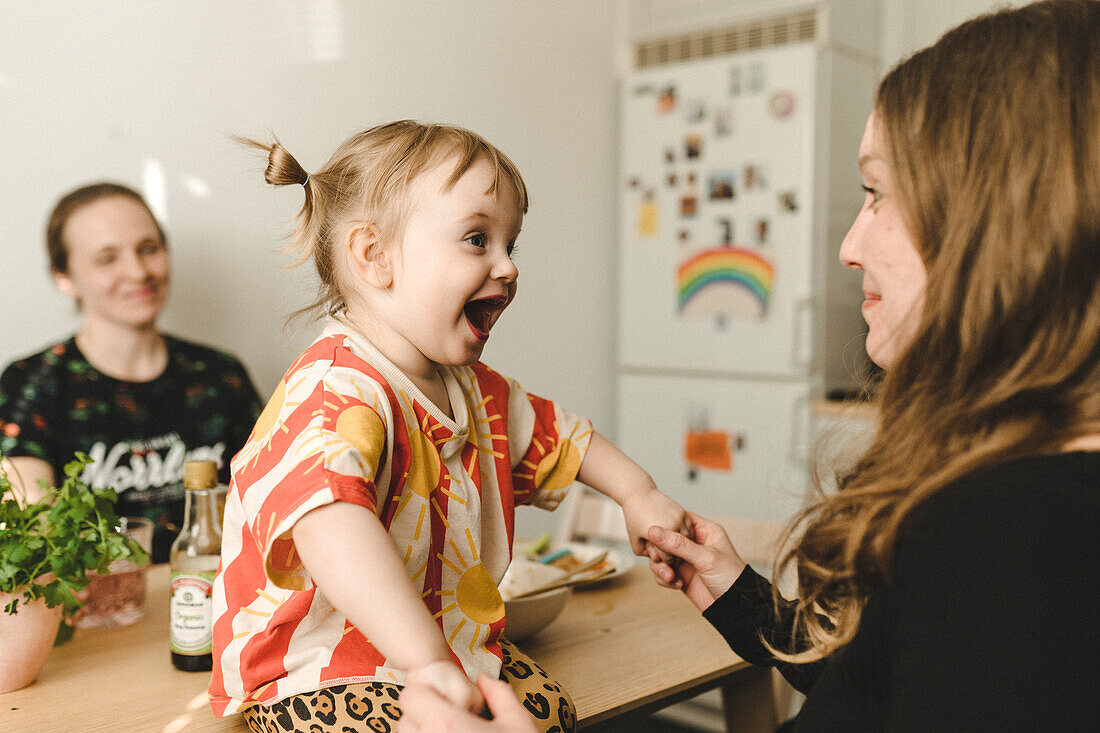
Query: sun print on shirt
348,426
263,432
470,609
473,596
552,466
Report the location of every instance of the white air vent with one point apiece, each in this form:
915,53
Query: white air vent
777,31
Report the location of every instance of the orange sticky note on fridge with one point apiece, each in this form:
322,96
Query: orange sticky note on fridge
710,449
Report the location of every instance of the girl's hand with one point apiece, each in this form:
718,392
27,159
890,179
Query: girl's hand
645,508
423,710
611,472
709,563
450,683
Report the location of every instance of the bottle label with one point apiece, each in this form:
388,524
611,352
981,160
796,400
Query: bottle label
190,630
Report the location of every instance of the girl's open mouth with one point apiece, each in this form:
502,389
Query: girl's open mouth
481,314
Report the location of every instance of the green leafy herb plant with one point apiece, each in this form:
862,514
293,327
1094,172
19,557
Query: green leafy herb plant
47,548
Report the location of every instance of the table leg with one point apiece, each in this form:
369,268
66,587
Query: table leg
748,702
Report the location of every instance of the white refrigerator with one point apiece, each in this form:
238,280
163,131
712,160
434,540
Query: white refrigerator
738,179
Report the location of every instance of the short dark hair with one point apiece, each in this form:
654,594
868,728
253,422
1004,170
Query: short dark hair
56,249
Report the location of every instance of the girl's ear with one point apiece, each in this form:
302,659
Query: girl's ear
370,259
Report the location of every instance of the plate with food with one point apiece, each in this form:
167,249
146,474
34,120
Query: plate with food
573,555
529,614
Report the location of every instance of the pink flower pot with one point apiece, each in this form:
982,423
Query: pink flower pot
25,640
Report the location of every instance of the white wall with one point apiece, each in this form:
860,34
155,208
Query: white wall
910,25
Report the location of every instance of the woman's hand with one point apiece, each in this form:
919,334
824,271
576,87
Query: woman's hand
449,682
709,564
424,710
25,473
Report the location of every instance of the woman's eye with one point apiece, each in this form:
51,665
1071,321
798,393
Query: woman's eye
873,193
478,240
512,248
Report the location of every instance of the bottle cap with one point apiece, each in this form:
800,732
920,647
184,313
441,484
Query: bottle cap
200,474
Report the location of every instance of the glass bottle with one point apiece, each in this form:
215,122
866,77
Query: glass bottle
193,563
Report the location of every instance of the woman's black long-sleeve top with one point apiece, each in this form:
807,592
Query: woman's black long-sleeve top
989,621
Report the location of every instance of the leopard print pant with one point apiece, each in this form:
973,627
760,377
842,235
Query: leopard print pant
371,707
548,703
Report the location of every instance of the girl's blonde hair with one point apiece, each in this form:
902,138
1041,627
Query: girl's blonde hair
367,179
993,135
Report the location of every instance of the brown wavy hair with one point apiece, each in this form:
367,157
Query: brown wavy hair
368,179
993,135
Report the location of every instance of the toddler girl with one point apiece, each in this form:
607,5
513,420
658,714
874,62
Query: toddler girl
370,514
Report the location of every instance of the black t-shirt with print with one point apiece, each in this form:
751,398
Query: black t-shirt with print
203,406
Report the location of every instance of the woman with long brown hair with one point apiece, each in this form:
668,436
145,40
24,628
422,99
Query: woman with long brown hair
946,584
943,586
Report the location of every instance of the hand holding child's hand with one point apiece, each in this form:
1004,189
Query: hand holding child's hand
646,508
451,683
608,470
709,563
424,711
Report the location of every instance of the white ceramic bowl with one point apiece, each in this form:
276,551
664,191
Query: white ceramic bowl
528,616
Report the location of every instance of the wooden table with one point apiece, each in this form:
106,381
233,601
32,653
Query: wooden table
624,647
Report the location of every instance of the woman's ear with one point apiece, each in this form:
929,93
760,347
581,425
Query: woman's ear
64,283
370,259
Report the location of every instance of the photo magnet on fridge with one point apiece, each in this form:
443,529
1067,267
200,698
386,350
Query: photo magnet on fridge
666,100
720,186
723,122
693,146
756,77
725,236
735,81
755,178
761,231
788,201
725,230
696,111
689,205
782,104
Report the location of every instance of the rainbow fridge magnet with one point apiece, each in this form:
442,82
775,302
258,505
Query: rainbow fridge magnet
724,281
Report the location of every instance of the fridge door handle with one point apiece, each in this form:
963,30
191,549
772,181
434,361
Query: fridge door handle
801,431
802,347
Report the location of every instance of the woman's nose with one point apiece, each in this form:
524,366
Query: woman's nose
851,255
136,266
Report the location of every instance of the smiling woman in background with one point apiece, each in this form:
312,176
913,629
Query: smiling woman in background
948,584
136,400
